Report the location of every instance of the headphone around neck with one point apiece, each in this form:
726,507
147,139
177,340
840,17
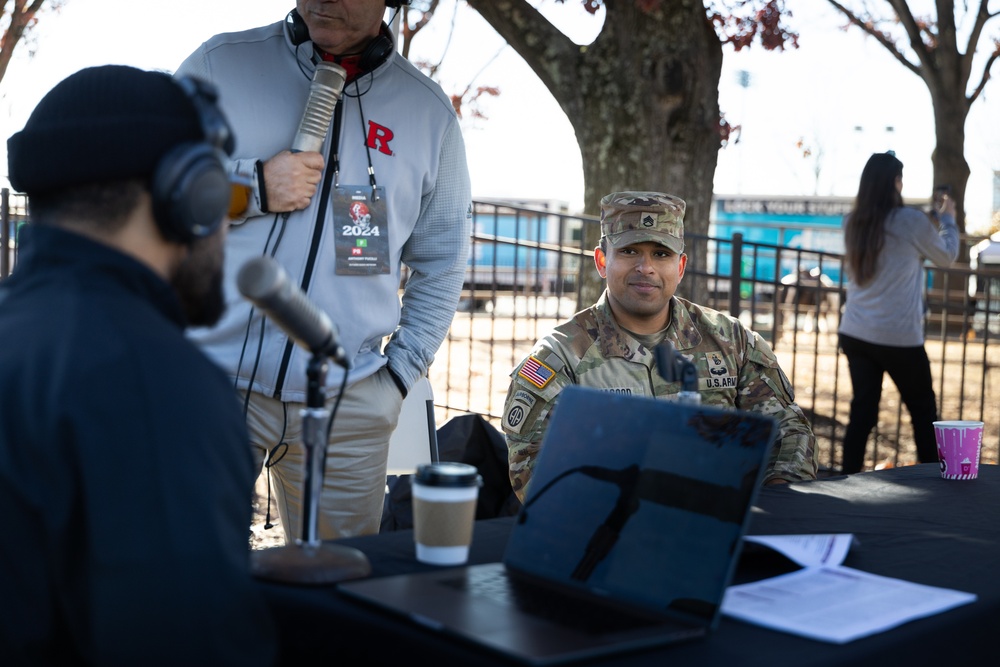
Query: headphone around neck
190,186
374,54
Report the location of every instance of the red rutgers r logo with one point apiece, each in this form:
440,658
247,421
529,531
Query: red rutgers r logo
379,137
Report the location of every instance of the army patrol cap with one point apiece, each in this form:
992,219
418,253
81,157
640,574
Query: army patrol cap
634,217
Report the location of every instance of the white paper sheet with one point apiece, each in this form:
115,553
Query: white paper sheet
836,604
809,550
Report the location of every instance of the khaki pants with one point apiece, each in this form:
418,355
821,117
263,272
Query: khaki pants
354,480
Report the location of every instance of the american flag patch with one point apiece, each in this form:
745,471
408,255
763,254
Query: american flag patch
536,372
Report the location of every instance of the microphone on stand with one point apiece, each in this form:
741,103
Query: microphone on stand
324,93
263,281
310,560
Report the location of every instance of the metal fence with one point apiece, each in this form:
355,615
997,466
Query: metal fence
522,281
523,278
13,213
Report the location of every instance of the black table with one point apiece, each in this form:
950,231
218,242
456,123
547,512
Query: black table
910,524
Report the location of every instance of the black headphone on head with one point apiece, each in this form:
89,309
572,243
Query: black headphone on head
373,55
190,187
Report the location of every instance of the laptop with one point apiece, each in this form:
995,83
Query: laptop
628,537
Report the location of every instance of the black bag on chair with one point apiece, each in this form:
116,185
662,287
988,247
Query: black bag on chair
466,439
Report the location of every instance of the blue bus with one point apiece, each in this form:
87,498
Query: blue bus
519,248
799,223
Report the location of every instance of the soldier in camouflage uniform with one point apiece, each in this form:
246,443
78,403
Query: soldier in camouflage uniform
610,345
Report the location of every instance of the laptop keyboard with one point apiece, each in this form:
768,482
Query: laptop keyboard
577,613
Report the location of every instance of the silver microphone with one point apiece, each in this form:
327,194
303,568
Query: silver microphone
324,93
264,282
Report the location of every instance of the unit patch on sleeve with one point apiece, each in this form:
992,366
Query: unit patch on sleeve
719,376
514,419
524,397
535,372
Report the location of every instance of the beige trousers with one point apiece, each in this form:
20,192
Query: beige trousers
353,489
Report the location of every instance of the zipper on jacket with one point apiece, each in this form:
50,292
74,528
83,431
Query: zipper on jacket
317,235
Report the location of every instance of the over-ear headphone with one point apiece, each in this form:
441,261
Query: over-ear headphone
298,31
190,187
373,55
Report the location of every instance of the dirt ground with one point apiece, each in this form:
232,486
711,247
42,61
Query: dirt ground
261,538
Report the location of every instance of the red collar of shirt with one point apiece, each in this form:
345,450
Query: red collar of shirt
350,63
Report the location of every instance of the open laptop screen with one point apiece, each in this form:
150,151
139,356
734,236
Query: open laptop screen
641,500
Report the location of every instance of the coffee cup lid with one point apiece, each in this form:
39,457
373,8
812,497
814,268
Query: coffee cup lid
448,473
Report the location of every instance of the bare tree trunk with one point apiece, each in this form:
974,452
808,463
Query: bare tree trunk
643,100
948,158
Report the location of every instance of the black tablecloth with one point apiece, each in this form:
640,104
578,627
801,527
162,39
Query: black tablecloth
909,523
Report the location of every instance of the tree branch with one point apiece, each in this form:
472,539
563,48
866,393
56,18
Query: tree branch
21,19
879,36
914,32
985,77
982,18
519,24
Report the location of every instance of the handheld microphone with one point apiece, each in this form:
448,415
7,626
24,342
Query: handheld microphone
264,282
324,93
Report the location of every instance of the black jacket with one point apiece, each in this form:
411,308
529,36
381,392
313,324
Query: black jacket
125,475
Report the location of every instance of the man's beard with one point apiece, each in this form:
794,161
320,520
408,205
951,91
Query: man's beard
198,282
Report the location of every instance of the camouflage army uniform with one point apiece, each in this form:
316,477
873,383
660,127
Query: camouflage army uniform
736,368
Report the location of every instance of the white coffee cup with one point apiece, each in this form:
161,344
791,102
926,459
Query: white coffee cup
444,510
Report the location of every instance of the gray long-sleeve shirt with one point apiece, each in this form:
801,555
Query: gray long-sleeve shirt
889,310
398,127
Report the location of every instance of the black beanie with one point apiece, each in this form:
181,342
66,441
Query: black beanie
101,124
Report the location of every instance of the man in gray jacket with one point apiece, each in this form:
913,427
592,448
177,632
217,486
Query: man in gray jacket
389,185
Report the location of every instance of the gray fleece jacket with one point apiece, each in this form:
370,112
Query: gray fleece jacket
404,126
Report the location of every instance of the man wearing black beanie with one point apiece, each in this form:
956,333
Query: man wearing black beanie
124,466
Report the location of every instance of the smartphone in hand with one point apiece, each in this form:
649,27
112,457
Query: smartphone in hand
940,192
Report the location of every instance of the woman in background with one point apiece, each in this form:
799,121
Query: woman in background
882,327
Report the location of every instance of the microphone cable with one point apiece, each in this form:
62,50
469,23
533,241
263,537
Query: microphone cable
263,320
270,461
329,422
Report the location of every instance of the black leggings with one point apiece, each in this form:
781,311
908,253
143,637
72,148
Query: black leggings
910,370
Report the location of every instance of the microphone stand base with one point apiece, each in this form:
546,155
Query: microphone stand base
311,565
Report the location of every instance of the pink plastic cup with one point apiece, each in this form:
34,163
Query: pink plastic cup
959,444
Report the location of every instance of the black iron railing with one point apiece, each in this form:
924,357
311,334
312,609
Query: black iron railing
524,275
522,281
